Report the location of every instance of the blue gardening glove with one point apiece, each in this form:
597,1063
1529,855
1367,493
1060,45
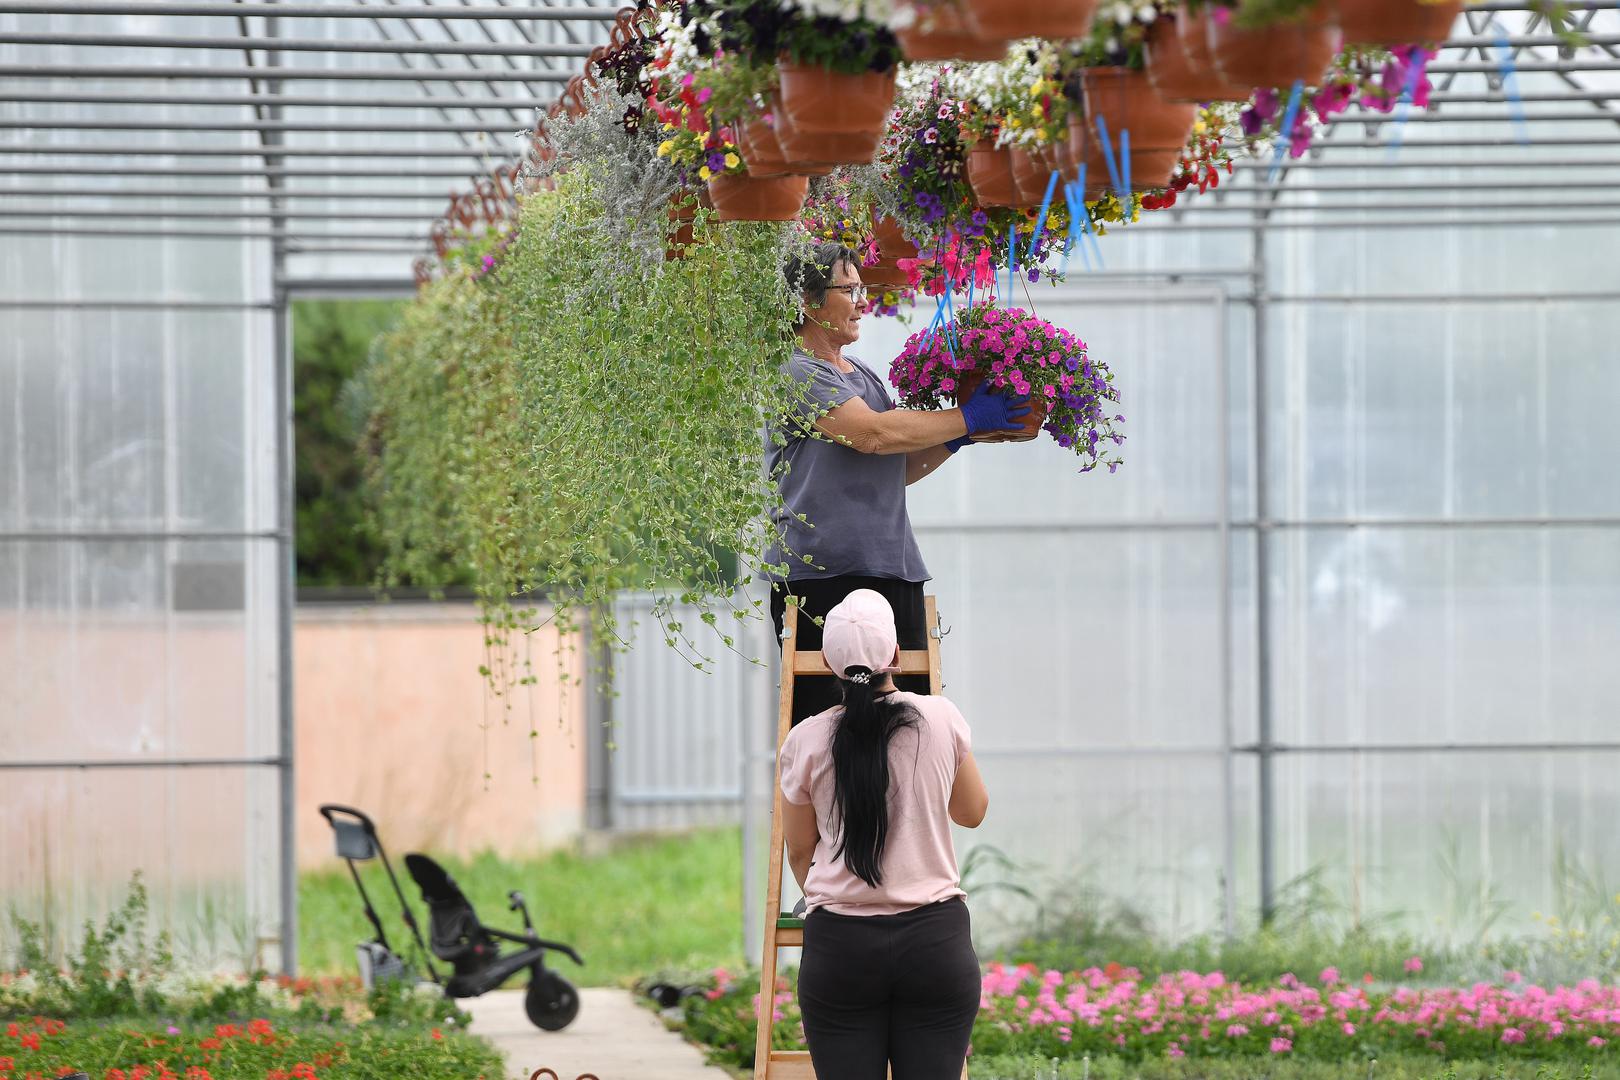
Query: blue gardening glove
988,411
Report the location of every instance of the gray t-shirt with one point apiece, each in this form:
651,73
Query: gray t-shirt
855,502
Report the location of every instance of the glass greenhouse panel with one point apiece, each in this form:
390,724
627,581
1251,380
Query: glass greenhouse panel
1458,845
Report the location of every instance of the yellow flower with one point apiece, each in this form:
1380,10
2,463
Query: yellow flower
1037,109
665,147
705,173
1013,121
1035,91
1199,128
732,161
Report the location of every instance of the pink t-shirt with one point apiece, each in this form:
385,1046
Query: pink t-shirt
919,860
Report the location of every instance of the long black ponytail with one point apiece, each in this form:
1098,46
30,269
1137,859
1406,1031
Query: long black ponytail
860,753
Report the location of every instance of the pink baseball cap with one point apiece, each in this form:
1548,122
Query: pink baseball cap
859,632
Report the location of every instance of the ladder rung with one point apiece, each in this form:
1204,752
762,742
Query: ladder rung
912,662
792,1065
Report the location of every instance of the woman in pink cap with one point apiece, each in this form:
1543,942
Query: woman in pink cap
888,978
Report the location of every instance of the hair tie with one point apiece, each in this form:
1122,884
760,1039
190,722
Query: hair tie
862,677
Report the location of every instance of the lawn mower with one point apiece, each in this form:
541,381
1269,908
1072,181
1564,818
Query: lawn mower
459,937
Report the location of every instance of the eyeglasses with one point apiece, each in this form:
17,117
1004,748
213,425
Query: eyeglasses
857,293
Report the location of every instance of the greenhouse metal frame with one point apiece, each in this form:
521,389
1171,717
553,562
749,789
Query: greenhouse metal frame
485,70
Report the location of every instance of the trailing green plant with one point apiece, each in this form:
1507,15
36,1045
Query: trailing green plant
587,417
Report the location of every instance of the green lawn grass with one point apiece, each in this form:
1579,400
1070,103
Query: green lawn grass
671,902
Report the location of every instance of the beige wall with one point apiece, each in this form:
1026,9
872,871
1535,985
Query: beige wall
395,719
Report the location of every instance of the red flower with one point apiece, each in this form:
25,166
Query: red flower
30,1041
437,1034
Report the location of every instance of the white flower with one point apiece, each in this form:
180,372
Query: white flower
1123,14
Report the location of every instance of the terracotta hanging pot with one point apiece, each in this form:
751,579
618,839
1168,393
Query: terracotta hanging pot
1087,151
969,381
761,152
741,197
891,240
1007,20
885,274
1276,56
1125,101
1029,177
1175,74
1395,22
892,246
833,118
1063,152
941,32
990,174
784,131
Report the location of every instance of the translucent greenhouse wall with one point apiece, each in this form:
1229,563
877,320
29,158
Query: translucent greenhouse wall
140,570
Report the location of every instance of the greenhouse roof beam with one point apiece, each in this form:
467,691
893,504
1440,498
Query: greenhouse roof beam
41,123
526,104
1411,145
437,198
1203,205
495,101
213,9
494,128
185,71
320,45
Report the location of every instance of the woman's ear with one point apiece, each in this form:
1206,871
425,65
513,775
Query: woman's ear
895,663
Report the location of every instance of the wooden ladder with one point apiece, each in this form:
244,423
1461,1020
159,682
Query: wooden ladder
782,931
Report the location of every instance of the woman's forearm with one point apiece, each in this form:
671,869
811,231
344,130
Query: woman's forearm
902,431
921,463
800,865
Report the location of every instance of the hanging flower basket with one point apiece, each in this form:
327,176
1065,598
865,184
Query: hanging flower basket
941,32
892,246
1071,396
784,132
1175,72
1029,177
741,197
1276,56
833,118
1008,20
990,174
1087,151
1396,22
969,381
761,151
1125,101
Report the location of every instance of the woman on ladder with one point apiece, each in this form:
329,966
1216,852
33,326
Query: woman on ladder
888,977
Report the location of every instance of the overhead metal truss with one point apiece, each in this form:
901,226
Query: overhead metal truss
468,72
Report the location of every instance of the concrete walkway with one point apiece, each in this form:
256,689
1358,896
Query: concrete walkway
613,1037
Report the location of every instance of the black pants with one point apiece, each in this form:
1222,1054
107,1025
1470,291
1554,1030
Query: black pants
889,990
817,596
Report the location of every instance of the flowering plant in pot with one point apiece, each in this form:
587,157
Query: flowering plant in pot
1105,71
1275,45
1072,396
1008,116
836,60
1374,79
942,30
923,159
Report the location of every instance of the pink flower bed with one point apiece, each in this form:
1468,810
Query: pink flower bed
1113,1010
